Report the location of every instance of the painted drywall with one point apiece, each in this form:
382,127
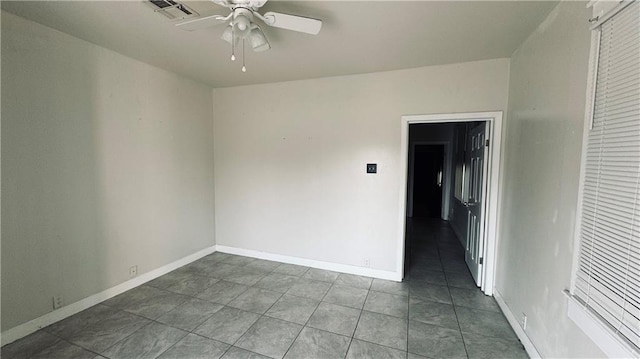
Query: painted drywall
290,157
544,130
107,163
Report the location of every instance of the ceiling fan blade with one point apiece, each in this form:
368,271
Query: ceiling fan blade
224,3
201,23
293,22
249,4
255,4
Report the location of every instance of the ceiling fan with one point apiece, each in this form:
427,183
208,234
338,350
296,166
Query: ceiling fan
242,28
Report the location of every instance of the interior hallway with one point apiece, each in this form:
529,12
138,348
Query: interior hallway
238,307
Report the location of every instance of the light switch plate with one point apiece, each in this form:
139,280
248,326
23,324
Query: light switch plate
372,168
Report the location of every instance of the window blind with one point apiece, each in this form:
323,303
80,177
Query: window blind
608,270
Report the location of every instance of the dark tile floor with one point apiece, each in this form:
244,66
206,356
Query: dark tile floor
237,307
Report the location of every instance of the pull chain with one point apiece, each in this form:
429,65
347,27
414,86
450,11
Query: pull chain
244,68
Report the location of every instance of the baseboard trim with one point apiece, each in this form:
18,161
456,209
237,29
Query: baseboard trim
515,324
32,326
336,267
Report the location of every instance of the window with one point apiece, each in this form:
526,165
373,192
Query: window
607,274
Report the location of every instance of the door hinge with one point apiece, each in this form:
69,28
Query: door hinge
486,143
480,260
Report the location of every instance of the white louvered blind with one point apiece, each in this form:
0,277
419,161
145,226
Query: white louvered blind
608,273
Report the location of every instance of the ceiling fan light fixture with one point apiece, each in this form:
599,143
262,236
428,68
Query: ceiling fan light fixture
227,34
258,39
242,23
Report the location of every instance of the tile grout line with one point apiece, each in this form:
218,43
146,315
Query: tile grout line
303,326
254,323
150,321
447,286
172,326
409,296
61,339
125,338
452,303
263,315
356,328
199,324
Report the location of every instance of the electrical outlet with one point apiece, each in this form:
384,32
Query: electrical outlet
58,301
367,262
133,271
523,322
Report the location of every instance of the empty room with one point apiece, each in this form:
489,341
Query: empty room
320,179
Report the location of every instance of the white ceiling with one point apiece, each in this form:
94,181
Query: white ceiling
356,37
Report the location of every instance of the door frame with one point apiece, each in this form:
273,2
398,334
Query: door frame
447,162
492,184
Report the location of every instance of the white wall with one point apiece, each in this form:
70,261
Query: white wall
544,137
290,157
106,163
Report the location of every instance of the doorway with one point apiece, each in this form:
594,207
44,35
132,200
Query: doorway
481,246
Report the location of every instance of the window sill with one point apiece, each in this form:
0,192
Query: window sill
602,335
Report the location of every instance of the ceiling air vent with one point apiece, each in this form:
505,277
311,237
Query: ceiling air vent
172,9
